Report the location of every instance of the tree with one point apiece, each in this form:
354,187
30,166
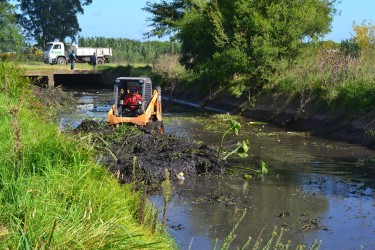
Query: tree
237,43
364,34
165,16
10,38
46,21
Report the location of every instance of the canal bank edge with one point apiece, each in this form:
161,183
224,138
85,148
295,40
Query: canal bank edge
335,122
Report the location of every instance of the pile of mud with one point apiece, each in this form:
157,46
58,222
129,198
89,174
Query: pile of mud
132,155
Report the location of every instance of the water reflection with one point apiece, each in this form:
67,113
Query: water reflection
92,104
208,209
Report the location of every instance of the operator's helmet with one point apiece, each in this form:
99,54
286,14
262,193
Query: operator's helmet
133,90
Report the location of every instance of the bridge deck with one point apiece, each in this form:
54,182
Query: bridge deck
51,73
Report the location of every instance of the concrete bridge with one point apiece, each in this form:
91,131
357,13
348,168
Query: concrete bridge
57,77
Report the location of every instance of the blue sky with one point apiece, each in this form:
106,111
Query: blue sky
126,19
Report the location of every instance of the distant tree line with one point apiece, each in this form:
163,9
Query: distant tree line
131,51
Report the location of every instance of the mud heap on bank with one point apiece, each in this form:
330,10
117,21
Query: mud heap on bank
132,154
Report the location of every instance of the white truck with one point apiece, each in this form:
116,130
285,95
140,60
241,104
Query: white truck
55,53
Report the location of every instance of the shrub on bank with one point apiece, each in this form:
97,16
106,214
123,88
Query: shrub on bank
52,194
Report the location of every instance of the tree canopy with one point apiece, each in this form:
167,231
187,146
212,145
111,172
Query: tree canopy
10,37
237,43
165,14
45,21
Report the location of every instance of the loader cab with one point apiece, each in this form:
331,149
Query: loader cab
122,88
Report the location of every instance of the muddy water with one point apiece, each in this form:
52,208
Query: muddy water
316,189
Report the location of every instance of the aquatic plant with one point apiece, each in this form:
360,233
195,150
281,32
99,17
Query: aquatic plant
167,190
249,171
242,147
275,242
231,236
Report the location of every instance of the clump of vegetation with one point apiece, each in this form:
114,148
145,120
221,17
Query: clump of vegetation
343,74
274,242
168,70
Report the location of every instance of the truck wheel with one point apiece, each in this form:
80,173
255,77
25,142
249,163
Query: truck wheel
61,61
100,61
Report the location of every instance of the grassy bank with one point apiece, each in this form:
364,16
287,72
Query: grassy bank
52,194
331,75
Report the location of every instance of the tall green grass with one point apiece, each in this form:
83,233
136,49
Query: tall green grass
52,194
331,75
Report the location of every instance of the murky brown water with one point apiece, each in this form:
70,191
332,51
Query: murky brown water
325,187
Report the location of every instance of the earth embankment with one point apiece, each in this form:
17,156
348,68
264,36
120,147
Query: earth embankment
335,122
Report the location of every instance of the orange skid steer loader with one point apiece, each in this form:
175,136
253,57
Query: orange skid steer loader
146,114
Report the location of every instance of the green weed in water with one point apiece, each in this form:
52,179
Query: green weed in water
167,190
242,147
275,242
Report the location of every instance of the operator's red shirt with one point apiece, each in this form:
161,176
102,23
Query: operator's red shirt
131,100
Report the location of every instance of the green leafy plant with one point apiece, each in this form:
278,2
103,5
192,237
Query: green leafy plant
242,147
241,150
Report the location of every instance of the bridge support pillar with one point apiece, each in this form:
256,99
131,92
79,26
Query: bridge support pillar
51,80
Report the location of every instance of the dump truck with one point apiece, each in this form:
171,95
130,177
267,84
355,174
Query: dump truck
150,116
56,53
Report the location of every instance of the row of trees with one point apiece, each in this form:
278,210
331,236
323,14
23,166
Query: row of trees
132,51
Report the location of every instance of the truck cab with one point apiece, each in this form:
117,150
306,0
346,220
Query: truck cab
54,53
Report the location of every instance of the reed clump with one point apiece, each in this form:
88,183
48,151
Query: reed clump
275,241
167,190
